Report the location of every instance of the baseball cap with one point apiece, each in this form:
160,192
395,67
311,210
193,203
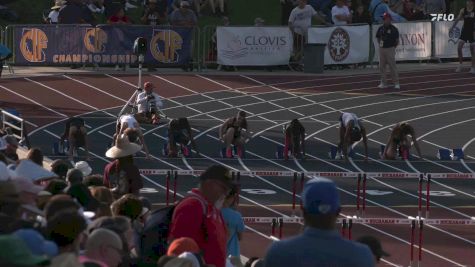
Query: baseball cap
15,252
386,15
148,85
181,245
28,169
184,3
374,244
83,167
11,140
220,173
320,196
195,259
37,243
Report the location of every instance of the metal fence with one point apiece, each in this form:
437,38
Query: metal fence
203,48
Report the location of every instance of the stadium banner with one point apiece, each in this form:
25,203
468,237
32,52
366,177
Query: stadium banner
414,41
446,40
254,46
344,44
103,45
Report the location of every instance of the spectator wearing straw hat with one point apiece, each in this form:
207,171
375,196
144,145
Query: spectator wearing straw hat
122,174
53,15
320,244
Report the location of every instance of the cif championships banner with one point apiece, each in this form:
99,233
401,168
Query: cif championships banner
446,40
414,41
344,44
254,46
104,44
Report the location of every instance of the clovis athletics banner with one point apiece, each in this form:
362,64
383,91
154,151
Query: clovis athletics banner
446,40
104,44
344,44
414,41
254,46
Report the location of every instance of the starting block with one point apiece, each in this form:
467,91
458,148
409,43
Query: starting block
59,149
335,154
235,151
184,151
458,154
446,154
279,153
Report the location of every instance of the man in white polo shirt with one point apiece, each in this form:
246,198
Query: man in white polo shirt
340,13
300,20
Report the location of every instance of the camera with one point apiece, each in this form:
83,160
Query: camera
140,46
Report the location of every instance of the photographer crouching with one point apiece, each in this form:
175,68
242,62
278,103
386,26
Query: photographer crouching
148,104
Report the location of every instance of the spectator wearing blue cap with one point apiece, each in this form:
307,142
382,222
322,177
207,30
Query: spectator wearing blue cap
320,244
37,243
351,130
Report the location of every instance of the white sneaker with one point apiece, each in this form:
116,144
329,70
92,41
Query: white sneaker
459,68
396,86
472,70
382,86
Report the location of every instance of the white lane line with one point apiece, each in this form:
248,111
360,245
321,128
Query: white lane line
33,101
95,88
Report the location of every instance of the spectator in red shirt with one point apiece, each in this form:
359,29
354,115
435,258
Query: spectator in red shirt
119,18
198,216
122,174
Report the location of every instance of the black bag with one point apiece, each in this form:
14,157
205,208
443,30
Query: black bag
153,241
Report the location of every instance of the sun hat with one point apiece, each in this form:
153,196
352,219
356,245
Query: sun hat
123,148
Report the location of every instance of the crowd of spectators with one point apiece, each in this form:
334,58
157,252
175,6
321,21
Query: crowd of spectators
68,216
368,11
152,12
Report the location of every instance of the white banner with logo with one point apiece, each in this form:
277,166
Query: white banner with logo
344,44
414,41
446,41
254,46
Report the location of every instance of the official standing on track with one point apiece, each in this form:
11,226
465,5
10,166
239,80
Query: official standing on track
388,39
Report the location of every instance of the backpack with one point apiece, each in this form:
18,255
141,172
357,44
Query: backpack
152,242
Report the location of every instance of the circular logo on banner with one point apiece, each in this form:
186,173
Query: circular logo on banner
339,44
33,44
164,46
95,40
454,35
